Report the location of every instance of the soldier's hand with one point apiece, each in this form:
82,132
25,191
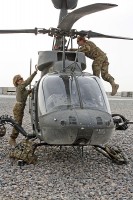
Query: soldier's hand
36,67
30,91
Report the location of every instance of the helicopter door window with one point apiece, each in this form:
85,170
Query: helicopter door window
91,94
59,92
54,93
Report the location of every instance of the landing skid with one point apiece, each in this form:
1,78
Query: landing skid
24,151
113,153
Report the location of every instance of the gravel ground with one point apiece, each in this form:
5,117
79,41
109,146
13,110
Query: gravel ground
61,174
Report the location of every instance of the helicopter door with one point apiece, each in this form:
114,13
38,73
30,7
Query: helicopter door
34,107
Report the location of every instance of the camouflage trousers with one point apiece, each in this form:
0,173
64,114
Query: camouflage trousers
100,66
18,112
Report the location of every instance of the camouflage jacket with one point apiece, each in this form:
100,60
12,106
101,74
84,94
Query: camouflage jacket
91,50
21,91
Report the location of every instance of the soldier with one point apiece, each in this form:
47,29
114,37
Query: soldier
100,61
21,97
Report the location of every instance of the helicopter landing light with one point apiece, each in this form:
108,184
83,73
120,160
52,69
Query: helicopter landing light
63,123
99,121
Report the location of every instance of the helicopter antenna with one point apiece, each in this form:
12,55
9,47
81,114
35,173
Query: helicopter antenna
63,53
30,84
68,43
30,71
71,43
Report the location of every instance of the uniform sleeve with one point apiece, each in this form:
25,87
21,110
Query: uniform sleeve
28,80
85,48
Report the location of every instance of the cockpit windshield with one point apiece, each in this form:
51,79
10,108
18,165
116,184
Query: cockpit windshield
63,91
91,94
60,91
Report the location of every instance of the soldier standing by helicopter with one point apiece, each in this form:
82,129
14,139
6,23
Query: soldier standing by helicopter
21,97
100,61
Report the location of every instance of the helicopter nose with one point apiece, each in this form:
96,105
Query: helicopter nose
76,126
96,127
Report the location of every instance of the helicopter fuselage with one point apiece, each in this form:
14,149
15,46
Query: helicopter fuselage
69,106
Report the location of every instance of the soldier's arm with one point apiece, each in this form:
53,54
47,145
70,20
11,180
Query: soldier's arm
85,48
28,80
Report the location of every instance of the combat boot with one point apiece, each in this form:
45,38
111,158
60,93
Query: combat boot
114,89
12,142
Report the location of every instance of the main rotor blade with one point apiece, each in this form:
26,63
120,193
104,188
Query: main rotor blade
91,34
19,31
68,21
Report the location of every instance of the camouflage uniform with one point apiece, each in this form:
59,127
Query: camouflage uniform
100,63
21,97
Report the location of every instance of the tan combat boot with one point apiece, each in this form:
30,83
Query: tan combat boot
114,88
12,142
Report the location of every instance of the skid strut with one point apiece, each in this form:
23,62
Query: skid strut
113,153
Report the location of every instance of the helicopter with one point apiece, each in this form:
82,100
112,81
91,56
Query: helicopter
68,107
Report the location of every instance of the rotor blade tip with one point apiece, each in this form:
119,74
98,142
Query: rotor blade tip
112,5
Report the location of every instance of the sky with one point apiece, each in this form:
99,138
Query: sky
16,50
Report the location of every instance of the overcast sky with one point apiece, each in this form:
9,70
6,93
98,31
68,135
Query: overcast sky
17,49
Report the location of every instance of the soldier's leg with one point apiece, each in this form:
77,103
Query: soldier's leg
107,77
96,67
18,118
18,112
14,135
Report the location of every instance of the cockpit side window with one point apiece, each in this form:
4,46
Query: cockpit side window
91,94
55,94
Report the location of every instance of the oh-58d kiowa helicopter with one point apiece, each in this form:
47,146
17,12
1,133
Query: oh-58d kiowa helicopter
68,106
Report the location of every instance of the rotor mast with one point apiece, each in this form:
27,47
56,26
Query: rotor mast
63,11
64,5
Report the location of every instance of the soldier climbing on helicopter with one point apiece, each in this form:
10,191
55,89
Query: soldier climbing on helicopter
100,61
